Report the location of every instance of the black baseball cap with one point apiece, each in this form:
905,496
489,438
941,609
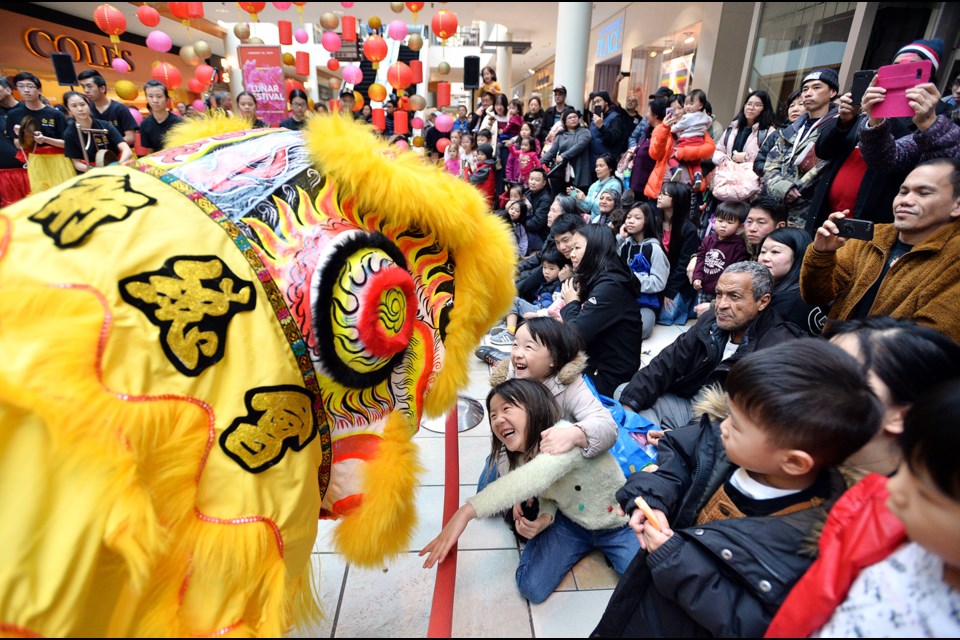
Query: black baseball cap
661,92
562,89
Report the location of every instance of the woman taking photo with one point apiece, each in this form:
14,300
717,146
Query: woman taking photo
155,126
782,252
681,242
247,104
602,305
570,155
81,146
606,181
298,111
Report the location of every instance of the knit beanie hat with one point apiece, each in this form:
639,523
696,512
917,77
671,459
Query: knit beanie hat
486,150
931,50
826,76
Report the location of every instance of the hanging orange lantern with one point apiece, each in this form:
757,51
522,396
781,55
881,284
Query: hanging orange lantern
444,24
357,100
167,74
377,92
111,21
375,50
253,8
399,76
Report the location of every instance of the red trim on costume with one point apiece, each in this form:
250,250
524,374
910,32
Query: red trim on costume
360,447
47,150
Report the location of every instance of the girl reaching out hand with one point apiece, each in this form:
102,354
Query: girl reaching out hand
578,510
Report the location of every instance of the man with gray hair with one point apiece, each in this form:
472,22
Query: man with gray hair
741,322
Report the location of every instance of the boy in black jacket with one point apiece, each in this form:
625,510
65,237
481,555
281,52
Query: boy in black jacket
734,502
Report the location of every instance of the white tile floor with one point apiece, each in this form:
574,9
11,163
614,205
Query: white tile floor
395,601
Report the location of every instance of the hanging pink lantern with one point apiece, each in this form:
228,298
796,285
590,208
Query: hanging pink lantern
444,122
285,27
301,36
402,145
397,30
159,41
137,116
347,5
349,28
417,123
330,41
120,65
199,105
282,6
148,16
352,74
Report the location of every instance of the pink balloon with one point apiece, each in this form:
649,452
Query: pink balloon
347,4
330,41
444,122
120,65
159,41
397,30
136,114
401,144
352,74
199,105
417,123
283,6
301,36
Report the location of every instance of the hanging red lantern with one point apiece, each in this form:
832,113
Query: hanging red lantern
379,119
111,21
443,94
348,28
333,64
285,27
414,8
195,10
444,24
253,8
167,74
302,65
289,84
399,76
401,122
416,68
179,10
195,85
205,74
375,50
148,16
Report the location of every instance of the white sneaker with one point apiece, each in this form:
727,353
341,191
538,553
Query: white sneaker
502,339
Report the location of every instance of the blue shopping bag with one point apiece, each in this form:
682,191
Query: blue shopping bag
632,449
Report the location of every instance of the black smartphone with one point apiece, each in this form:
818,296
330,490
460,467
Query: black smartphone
853,228
861,80
625,74
597,110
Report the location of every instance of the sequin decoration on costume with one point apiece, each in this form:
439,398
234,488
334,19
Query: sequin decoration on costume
192,299
73,214
278,419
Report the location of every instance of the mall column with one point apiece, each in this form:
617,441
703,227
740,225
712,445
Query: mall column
504,61
573,39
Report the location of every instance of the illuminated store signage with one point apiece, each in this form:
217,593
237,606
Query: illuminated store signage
610,39
42,43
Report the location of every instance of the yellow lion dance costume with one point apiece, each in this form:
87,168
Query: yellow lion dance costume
204,352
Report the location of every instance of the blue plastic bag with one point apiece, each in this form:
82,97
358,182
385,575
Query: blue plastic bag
632,449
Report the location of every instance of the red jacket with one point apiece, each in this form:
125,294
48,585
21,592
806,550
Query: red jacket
860,531
661,148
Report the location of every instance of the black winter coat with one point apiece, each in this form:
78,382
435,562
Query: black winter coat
537,216
612,328
678,281
694,358
725,578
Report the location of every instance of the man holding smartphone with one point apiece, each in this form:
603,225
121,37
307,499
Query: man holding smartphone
607,128
909,269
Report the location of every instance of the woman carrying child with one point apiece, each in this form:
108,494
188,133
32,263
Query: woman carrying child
640,248
577,507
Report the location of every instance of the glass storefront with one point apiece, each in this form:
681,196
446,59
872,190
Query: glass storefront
794,38
666,62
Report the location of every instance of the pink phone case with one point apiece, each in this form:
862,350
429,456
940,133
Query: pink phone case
896,79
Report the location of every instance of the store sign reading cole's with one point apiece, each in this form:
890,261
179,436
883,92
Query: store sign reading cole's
610,39
42,43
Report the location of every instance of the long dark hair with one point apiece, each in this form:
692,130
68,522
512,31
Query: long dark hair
501,100
680,194
600,258
798,240
652,225
767,117
542,413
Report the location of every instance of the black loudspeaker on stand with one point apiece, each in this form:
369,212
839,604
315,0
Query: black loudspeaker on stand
471,72
63,67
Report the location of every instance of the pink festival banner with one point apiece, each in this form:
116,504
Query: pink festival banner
263,77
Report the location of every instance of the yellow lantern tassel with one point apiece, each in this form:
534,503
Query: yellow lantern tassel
300,11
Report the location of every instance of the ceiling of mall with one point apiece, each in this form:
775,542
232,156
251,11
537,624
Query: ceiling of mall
534,22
